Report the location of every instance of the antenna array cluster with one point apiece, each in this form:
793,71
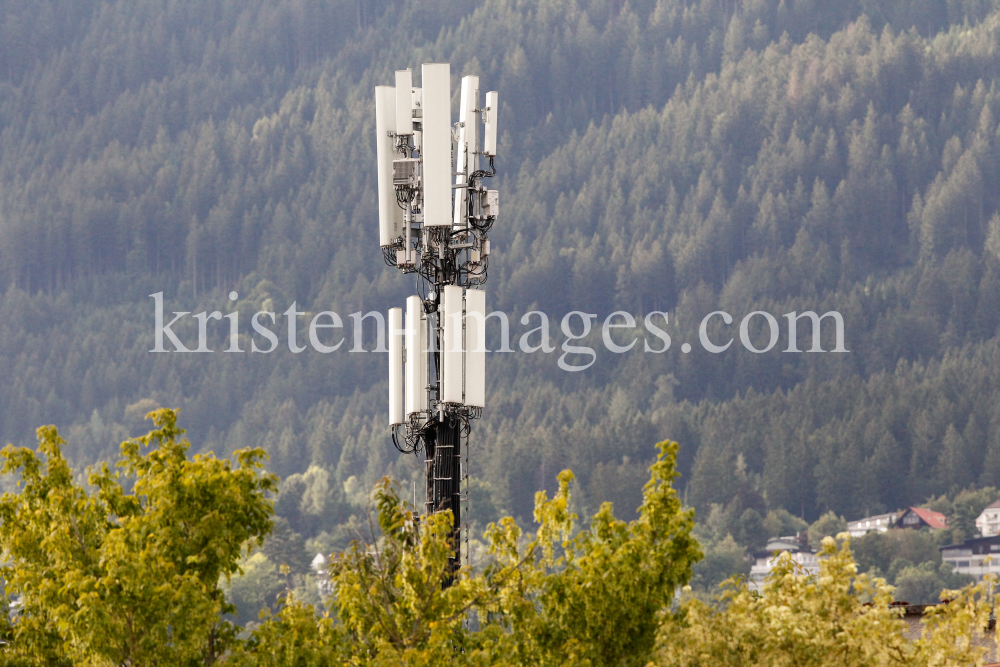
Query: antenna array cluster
435,216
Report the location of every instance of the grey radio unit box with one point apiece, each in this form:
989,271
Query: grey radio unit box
405,172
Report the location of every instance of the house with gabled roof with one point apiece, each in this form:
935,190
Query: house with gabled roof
920,517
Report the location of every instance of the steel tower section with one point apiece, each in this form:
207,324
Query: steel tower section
435,215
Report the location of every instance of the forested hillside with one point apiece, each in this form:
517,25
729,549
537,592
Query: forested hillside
676,155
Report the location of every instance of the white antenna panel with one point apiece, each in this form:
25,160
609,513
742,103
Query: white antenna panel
404,109
475,348
465,154
390,215
490,132
424,354
451,352
436,92
396,414
416,370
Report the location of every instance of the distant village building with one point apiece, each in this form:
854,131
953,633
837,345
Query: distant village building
919,517
988,522
320,566
912,517
879,523
764,560
977,557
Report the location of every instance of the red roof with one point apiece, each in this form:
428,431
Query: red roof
930,517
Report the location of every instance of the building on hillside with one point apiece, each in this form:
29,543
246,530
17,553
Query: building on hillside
976,557
879,522
988,522
919,517
320,567
793,543
764,560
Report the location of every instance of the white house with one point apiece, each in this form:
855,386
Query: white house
319,566
988,522
879,523
764,560
977,557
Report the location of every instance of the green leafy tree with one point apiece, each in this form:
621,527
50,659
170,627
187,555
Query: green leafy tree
924,583
257,587
753,532
113,576
825,526
556,598
837,617
782,523
878,552
723,559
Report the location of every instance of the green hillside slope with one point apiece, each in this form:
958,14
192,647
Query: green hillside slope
681,157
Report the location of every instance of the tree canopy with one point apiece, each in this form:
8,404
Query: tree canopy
108,576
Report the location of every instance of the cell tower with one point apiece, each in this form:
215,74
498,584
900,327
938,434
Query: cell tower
435,215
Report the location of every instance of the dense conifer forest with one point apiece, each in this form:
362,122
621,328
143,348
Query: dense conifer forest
681,156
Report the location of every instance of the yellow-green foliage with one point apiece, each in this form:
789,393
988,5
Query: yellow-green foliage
105,576
555,598
835,618
600,597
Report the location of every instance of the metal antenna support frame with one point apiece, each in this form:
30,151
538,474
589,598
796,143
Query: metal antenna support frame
441,256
